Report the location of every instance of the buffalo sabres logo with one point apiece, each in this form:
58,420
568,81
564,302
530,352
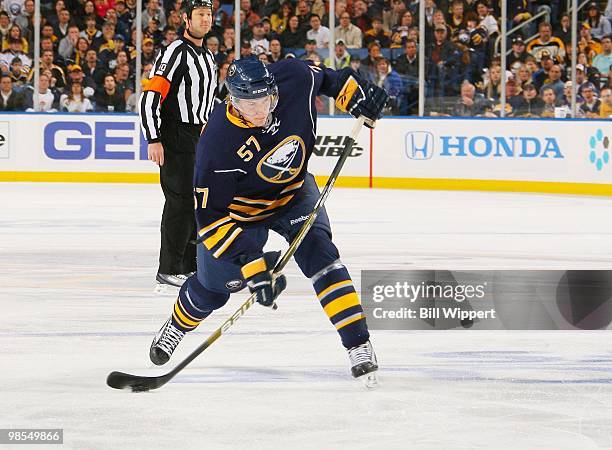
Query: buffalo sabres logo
284,162
231,71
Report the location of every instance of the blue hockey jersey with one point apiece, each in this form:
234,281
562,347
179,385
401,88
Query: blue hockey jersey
245,175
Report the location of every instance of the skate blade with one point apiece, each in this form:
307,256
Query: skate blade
370,381
165,289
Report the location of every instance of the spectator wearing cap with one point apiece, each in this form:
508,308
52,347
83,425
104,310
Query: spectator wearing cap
319,33
310,51
76,75
518,52
591,105
293,36
148,51
153,11
259,37
350,34
342,58
554,81
276,51
553,46
377,34
47,98
280,18
267,26
598,23
124,18
154,32
10,100
355,63
530,105
605,110
444,62
245,49
108,53
603,61
109,99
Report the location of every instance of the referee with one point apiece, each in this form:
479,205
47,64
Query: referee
173,108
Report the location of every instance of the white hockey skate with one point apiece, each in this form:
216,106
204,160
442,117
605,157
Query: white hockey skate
164,343
364,365
169,284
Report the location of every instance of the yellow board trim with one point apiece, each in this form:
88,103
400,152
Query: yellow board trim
341,303
543,187
80,177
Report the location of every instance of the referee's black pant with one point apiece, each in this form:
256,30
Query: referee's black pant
178,227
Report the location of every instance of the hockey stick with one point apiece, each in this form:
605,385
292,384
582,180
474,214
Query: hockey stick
120,380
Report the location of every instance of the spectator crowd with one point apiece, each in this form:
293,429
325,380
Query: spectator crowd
87,54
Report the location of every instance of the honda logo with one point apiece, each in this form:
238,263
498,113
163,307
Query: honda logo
419,145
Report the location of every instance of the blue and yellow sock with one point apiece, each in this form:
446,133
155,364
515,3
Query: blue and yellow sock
336,292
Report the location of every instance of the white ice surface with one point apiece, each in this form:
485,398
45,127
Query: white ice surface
77,263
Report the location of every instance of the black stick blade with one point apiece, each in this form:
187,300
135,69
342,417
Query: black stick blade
120,380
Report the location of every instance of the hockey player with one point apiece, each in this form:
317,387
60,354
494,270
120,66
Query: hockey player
250,178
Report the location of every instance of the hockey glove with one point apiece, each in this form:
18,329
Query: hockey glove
360,98
258,275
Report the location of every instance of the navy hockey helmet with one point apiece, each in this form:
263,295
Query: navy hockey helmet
249,78
189,5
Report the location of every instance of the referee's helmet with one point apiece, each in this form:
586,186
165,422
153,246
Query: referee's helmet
189,5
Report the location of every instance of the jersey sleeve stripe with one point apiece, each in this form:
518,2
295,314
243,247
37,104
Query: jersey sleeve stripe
213,225
158,84
255,210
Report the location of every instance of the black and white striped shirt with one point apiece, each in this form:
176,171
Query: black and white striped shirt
181,88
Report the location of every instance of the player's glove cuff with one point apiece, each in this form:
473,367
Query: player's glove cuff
258,275
360,98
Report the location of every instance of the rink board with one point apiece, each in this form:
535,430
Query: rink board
551,156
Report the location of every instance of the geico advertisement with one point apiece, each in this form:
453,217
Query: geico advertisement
530,150
115,143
